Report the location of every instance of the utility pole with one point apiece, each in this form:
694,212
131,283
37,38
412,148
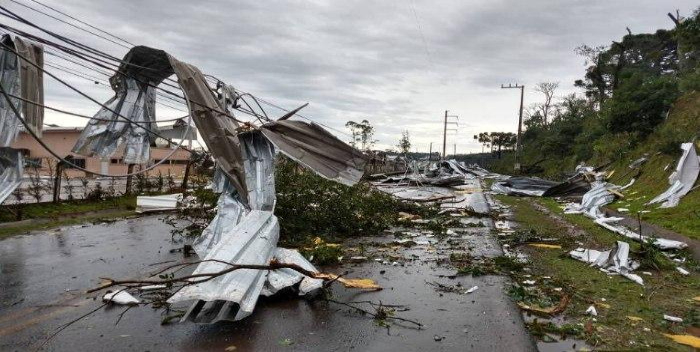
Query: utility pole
520,123
455,150
430,154
444,133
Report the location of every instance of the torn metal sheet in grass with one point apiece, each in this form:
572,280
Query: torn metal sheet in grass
523,186
615,260
662,243
682,179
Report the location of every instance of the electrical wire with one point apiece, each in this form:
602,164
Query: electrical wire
71,164
87,96
85,23
85,116
70,24
101,62
251,111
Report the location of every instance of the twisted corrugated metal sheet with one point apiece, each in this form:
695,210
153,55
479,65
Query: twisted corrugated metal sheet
11,168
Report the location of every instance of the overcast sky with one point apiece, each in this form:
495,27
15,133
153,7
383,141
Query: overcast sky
397,63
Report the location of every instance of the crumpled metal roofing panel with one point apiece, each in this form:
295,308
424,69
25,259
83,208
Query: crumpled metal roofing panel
20,78
252,241
681,180
107,131
229,213
11,168
317,149
282,278
9,78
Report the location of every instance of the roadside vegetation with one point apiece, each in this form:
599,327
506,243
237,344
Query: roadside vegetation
81,201
641,98
630,316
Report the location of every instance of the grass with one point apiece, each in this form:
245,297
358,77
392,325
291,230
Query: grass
683,219
665,292
48,215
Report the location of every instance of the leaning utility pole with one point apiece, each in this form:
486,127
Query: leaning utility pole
520,122
444,134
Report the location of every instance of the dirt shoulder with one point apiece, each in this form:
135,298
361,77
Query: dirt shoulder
629,316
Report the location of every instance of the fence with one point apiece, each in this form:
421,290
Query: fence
37,188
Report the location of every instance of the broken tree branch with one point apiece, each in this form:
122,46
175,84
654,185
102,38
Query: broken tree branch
382,316
201,277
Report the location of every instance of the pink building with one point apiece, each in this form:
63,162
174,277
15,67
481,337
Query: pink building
62,139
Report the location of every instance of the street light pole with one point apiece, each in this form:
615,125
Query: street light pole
518,141
444,138
444,133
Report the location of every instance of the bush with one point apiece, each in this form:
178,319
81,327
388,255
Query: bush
309,206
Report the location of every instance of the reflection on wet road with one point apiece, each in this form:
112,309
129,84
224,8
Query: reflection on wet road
43,278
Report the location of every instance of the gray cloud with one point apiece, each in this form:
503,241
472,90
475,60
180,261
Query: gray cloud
399,64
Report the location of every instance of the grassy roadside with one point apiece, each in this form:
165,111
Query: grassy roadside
653,180
47,215
629,316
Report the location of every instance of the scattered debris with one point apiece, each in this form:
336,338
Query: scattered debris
365,284
689,340
146,204
612,261
120,297
591,311
471,290
682,179
673,319
544,245
550,311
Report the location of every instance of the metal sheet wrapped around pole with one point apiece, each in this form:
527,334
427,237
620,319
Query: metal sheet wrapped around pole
219,131
134,87
21,79
11,169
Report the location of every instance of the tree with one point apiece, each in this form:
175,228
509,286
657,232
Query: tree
503,140
362,134
497,140
548,89
485,139
404,143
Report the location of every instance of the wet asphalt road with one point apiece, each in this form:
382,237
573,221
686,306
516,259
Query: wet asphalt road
43,278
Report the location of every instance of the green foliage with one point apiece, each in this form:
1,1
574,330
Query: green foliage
639,93
310,206
640,103
322,253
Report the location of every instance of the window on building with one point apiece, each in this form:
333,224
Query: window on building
32,162
178,162
115,161
79,162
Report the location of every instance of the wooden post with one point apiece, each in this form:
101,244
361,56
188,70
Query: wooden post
57,182
183,185
129,170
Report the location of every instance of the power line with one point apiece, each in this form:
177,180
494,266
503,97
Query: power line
71,164
87,96
84,116
70,24
85,23
101,63
250,112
